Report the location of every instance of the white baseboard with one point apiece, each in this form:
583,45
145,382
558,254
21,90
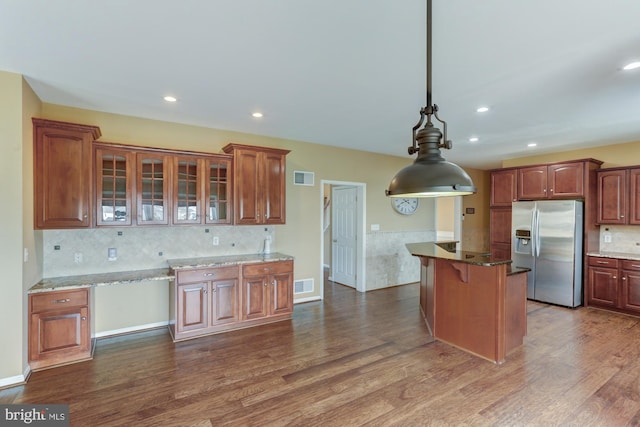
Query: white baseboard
131,329
307,299
15,381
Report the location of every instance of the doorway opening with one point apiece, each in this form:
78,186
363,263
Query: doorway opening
343,220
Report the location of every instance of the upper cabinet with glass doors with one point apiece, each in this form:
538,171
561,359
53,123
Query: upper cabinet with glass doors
153,174
114,185
218,190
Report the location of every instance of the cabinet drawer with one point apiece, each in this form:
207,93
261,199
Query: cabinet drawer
628,264
198,275
59,300
604,262
263,268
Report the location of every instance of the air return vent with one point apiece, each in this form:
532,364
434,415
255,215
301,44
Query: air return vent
303,286
303,178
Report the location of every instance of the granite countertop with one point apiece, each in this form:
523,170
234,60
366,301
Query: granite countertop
220,261
433,250
100,279
619,255
137,276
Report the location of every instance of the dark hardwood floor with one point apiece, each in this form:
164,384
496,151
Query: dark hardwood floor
355,359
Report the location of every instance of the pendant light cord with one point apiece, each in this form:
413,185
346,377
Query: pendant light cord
428,36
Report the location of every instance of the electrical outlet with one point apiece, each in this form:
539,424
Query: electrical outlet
216,241
112,254
26,255
607,238
77,257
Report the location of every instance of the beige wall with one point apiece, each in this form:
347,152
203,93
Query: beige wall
31,239
624,154
475,227
14,224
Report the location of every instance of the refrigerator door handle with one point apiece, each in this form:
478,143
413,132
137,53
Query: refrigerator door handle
537,232
533,233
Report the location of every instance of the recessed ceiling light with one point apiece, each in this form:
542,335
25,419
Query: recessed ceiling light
473,139
532,144
170,99
482,109
632,66
256,115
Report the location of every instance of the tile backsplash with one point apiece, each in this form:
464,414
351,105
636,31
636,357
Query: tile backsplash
73,252
624,239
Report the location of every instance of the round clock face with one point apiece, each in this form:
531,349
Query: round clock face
405,206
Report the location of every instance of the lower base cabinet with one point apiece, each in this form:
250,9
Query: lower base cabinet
614,284
59,328
217,299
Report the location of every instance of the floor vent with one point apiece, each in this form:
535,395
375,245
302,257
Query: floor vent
303,286
303,178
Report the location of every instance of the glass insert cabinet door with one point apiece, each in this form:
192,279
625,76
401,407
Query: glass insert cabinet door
187,190
113,185
152,188
218,202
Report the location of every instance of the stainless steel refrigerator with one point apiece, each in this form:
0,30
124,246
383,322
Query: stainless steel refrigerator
547,238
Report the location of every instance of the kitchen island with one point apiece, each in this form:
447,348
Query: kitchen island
471,300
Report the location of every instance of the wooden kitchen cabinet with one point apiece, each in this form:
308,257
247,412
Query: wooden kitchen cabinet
267,290
114,185
259,184
187,204
618,199
500,232
614,284
612,196
153,174
204,301
554,181
59,328
504,187
218,190
63,196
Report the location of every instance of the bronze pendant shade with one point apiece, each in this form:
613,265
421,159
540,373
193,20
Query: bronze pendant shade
430,175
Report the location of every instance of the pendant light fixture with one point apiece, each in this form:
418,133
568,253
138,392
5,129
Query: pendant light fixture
430,175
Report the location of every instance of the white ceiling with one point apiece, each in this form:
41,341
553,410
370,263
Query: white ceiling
348,73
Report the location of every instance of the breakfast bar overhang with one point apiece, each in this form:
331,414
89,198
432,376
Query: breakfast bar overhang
471,300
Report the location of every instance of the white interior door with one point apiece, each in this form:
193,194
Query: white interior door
343,238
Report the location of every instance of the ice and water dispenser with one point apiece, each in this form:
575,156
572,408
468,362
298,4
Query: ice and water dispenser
523,241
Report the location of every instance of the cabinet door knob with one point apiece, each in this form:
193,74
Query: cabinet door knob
624,278
265,284
614,277
83,318
621,216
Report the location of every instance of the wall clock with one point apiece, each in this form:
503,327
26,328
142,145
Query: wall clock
405,206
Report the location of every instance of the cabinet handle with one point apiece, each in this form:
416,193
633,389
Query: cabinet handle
61,301
635,265
83,318
208,274
267,269
602,262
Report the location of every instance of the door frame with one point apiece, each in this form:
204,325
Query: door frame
360,231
